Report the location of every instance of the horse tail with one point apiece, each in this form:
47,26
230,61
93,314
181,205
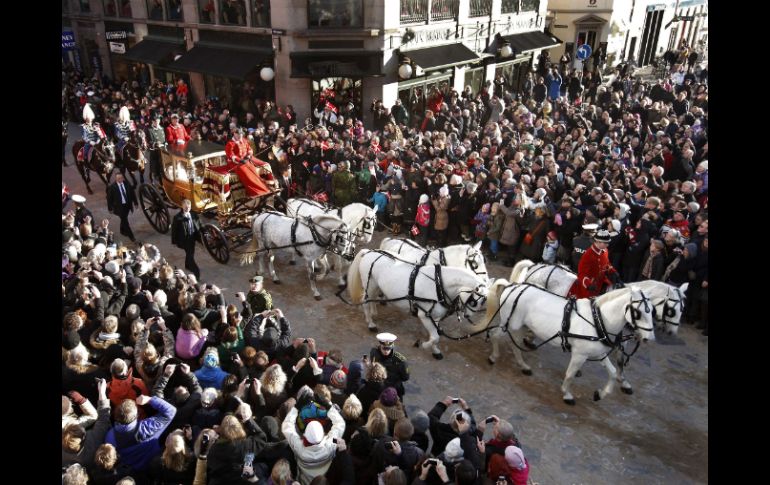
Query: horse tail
519,272
355,287
384,242
248,256
493,302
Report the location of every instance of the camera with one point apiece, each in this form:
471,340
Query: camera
455,400
432,461
459,416
489,420
389,445
304,341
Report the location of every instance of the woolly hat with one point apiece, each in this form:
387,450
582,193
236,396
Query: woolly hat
515,457
453,451
692,250
614,227
389,396
444,191
420,421
71,340
112,267
135,283
338,379
211,359
471,187
624,208
552,235
314,432
424,199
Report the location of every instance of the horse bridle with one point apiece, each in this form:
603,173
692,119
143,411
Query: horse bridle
636,314
367,228
470,261
475,299
669,311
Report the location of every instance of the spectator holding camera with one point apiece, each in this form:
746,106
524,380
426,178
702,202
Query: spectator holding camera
270,332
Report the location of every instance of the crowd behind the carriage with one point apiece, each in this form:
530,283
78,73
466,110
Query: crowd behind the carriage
531,173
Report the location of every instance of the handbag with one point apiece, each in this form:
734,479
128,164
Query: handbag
415,230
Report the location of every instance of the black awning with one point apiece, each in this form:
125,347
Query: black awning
442,56
530,41
154,51
317,64
221,61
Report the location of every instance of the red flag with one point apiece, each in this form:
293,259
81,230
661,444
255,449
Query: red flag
325,145
331,107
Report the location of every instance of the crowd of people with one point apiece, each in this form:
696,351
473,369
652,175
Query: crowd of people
193,388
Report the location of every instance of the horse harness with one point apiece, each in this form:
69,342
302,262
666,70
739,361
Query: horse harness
550,273
669,311
469,262
308,222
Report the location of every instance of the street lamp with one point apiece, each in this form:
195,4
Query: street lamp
506,50
405,70
267,73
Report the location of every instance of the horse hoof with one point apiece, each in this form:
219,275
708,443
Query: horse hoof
317,297
293,263
571,402
417,343
529,344
597,396
578,373
627,390
373,329
526,372
491,362
276,282
438,356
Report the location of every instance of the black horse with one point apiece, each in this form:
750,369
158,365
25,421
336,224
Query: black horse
102,161
132,158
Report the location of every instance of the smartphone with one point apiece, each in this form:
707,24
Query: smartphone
432,461
205,440
363,357
459,417
208,286
248,460
489,420
304,341
389,445
455,400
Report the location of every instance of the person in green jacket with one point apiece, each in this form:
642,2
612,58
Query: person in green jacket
343,185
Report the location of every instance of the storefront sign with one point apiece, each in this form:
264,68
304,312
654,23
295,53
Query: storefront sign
331,68
116,35
279,32
118,47
68,40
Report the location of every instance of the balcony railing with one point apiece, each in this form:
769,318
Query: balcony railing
509,6
414,11
443,9
481,8
530,5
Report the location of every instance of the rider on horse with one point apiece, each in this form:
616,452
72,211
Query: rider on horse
123,128
595,272
92,133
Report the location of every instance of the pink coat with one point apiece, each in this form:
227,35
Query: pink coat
188,344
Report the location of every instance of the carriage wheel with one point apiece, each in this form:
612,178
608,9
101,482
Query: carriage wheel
216,243
154,208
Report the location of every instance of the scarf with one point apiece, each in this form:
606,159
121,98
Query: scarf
647,269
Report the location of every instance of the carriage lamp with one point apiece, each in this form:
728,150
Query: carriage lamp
405,70
267,73
506,50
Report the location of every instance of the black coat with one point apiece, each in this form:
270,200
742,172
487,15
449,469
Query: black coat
114,199
443,433
181,236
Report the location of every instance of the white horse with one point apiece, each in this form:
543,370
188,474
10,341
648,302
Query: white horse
458,255
586,336
667,300
360,218
310,237
431,291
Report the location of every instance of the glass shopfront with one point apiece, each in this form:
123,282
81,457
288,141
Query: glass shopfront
414,94
514,73
339,91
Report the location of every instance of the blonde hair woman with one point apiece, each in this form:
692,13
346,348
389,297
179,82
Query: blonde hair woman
176,464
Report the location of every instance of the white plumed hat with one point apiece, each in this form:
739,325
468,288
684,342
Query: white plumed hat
88,113
124,116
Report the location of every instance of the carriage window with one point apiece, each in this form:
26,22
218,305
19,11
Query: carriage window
233,12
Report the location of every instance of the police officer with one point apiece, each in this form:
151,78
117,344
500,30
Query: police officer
81,211
157,141
581,243
394,362
258,298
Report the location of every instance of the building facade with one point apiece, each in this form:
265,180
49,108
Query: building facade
300,51
623,30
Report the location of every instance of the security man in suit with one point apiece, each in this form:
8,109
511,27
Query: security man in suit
121,201
185,231
157,141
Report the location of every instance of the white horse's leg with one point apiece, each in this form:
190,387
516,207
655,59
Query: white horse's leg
612,374
339,263
575,364
625,386
495,335
432,334
271,265
525,369
310,265
260,262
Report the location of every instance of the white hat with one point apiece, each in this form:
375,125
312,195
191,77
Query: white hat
386,337
424,199
453,451
112,267
78,199
314,433
590,227
615,226
603,235
88,113
124,115
624,208
208,396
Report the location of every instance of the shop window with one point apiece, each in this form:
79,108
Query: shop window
110,10
335,13
85,6
155,9
338,91
530,5
232,12
125,9
475,79
260,13
174,10
206,11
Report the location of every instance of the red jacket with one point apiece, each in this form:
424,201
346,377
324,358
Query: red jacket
236,151
129,388
593,269
176,133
